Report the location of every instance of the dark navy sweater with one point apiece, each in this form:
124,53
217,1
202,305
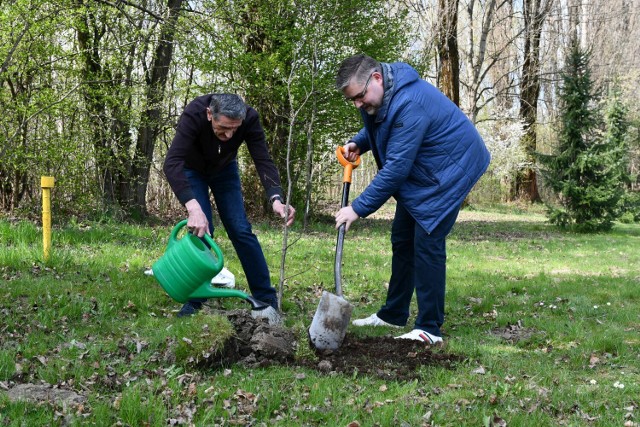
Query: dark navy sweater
196,147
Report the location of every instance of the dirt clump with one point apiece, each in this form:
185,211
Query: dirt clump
258,343
254,343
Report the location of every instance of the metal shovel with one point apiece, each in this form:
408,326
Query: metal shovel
332,316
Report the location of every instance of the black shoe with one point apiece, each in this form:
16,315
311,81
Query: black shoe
189,308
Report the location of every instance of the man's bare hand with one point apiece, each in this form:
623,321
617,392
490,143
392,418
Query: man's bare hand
346,216
351,151
280,209
197,222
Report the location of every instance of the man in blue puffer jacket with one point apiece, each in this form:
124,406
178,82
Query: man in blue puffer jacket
429,156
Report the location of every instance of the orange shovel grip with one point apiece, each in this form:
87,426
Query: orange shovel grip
348,166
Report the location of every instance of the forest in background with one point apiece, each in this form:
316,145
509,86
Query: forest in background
91,90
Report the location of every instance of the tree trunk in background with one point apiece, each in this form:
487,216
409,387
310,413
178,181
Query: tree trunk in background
503,47
89,33
535,12
447,46
261,42
476,55
151,116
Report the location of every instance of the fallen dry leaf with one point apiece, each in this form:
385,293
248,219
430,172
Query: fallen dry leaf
192,390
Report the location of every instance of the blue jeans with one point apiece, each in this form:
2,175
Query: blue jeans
227,192
418,263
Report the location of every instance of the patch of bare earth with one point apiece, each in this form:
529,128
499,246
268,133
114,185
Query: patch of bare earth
383,357
256,343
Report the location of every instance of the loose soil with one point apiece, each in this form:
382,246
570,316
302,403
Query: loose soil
383,357
259,344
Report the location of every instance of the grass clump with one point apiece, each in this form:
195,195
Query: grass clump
200,338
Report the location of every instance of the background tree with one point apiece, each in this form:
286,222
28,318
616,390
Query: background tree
447,48
489,56
265,42
535,13
152,123
618,138
586,171
38,104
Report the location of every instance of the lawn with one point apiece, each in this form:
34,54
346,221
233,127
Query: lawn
546,325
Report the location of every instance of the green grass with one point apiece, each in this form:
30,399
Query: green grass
91,321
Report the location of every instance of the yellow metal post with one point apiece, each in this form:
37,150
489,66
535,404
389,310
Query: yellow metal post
46,183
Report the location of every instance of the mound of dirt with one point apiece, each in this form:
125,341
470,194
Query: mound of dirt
259,344
256,343
383,357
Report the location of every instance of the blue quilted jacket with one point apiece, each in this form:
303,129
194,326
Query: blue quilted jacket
428,152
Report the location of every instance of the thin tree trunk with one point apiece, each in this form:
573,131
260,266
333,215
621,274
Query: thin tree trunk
447,45
151,116
309,158
89,35
535,13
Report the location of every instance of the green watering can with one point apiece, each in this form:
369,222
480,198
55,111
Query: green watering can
187,266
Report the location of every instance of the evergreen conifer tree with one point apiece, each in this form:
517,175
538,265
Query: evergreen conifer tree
618,137
585,171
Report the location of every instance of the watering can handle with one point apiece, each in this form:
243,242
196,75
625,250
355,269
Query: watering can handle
348,166
214,247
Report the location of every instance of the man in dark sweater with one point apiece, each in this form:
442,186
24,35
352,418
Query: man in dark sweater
203,156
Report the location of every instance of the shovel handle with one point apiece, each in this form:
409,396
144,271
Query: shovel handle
346,183
348,166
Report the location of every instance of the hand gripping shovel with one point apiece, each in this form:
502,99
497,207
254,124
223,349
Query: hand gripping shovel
331,320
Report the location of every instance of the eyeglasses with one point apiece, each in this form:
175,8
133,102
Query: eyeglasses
361,94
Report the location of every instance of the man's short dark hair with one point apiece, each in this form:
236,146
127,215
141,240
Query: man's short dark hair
356,69
229,105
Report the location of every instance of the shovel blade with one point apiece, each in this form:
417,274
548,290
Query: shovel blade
330,322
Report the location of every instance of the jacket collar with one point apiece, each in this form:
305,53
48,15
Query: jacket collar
389,88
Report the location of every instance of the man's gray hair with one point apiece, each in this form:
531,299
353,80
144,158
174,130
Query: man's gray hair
356,69
228,105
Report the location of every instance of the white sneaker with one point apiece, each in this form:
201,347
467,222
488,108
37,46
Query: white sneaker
422,336
373,320
148,272
224,279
